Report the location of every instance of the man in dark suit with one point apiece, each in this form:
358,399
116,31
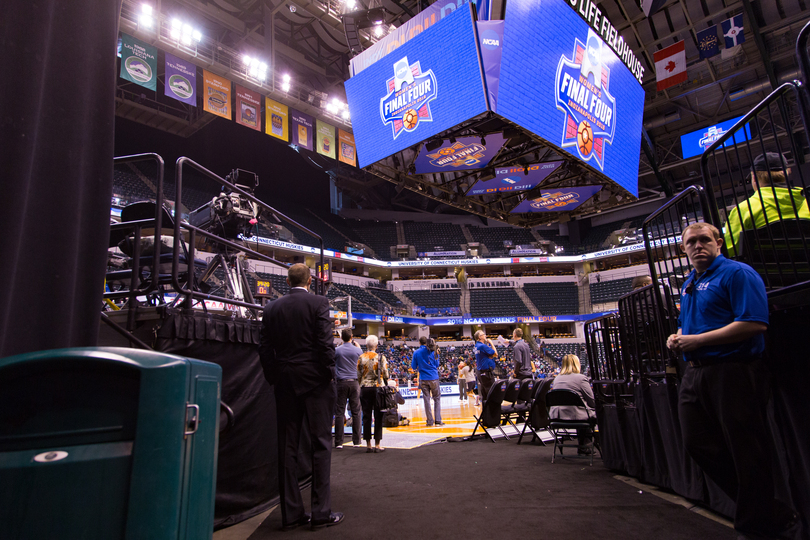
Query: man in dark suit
298,356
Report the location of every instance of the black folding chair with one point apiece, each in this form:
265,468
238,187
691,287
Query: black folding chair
537,419
510,396
560,428
491,411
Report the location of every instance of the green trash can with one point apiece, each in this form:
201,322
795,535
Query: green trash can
106,443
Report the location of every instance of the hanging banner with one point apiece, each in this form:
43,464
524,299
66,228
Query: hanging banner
216,95
138,62
462,154
558,199
275,120
347,149
248,107
181,80
325,139
303,126
490,38
515,179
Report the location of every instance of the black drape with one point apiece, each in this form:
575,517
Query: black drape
57,93
247,475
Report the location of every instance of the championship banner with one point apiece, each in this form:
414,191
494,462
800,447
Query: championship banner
303,126
515,179
248,108
325,139
582,81
275,120
347,154
465,153
138,62
181,80
216,95
557,200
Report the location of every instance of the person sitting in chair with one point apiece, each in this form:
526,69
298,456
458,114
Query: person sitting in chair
570,378
771,202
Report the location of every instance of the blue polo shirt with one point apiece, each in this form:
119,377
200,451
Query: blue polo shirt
482,359
426,363
726,292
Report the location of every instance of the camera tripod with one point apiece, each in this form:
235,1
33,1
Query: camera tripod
237,286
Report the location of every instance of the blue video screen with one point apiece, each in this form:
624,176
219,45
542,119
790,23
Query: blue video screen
695,143
563,83
426,86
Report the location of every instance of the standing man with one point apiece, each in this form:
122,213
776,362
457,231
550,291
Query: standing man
725,388
522,356
484,364
348,389
425,362
298,356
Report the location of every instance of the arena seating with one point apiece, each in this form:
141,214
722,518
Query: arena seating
610,291
129,187
496,302
362,295
426,236
378,235
554,298
442,298
494,237
385,295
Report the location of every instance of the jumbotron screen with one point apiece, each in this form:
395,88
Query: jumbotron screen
561,81
430,84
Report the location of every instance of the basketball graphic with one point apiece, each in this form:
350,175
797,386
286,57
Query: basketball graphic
584,138
446,151
410,119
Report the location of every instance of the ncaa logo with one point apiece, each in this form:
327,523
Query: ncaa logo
490,39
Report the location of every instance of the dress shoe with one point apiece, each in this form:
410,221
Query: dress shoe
339,447
303,520
440,424
369,450
378,450
333,519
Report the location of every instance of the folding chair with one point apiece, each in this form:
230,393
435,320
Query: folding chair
537,419
491,412
520,407
559,428
510,395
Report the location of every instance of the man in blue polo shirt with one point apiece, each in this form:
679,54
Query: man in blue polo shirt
485,355
725,388
425,361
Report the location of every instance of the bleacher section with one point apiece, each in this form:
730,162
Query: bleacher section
361,294
610,291
500,302
386,296
494,237
425,236
129,187
554,298
378,235
435,298
595,238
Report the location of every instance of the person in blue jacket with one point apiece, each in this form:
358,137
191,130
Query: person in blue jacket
427,364
485,355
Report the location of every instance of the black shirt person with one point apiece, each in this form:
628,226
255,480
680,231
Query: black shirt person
298,356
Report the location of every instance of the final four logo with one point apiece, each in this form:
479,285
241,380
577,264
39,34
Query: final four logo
458,155
582,94
555,200
409,95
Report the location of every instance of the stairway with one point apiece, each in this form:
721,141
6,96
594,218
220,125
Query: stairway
584,290
401,234
467,234
405,300
529,304
464,304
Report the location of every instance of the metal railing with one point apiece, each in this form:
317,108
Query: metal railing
646,319
765,218
610,372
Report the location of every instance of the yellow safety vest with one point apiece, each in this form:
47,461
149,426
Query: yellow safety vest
749,215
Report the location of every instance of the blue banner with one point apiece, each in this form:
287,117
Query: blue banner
181,80
432,83
733,31
515,179
571,88
490,37
695,143
464,153
557,199
707,42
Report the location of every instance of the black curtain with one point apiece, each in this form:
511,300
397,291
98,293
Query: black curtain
57,97
247,465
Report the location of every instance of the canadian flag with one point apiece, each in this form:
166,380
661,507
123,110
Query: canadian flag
670,66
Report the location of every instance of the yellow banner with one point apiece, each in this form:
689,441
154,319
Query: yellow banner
325,135
347,151
276,120
216,95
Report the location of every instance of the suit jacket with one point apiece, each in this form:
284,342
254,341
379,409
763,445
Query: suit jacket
297,349
578,383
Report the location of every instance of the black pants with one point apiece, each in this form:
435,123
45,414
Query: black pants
722,416
368,400
347,391
485,381
315,408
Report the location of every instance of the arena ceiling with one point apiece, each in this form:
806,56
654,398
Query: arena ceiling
306,39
